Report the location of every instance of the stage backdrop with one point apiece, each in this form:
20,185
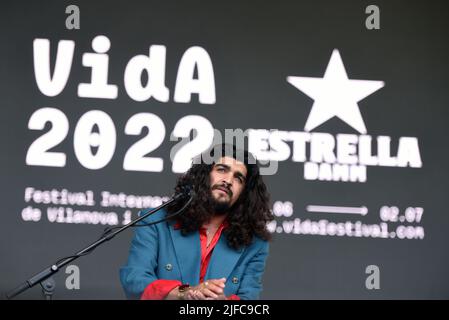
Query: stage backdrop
349,103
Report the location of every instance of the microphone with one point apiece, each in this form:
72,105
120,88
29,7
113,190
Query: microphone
185,191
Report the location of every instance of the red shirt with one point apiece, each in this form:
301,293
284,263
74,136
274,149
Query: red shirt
159,289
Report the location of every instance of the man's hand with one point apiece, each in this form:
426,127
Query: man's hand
212,289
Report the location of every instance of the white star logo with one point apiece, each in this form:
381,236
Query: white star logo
335,95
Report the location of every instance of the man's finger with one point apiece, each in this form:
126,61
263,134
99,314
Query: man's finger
218,282
208,293
200,295
190,295
214,287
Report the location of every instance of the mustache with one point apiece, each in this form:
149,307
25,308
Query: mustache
223,187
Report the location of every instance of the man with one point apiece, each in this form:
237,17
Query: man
215,249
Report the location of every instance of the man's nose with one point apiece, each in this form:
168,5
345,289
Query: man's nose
227,181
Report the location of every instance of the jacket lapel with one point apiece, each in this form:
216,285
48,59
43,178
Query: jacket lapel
188,254
223,260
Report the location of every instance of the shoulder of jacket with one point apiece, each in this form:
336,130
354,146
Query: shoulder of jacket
158,215
258,243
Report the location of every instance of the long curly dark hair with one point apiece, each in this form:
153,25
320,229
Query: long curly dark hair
249,214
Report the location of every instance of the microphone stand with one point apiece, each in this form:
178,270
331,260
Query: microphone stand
44,277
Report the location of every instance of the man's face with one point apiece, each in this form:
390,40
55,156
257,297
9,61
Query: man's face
227,180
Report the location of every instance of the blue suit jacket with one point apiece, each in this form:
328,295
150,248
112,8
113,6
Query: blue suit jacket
161,252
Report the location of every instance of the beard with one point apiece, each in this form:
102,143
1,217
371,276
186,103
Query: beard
219,205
